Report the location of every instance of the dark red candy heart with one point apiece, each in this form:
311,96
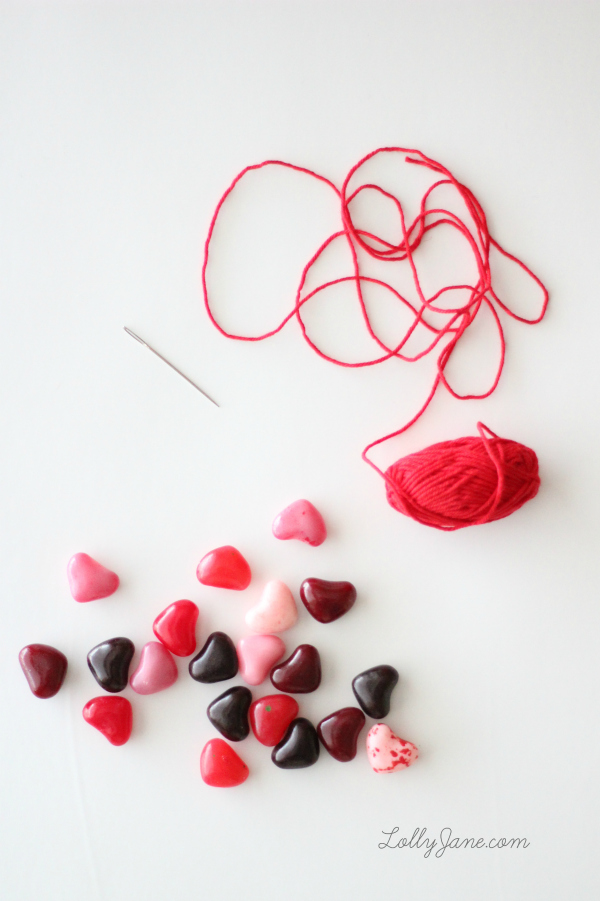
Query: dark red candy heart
300,673
220,766
373,689
299,746
229,713
339,732
113,717
270,717
176,628
44,667
224,568
216,661
325,600
109,663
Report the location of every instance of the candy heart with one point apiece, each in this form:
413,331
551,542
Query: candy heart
229,713
270,717
113,717
109,663
387,752
300,673
224,568
257,654
216,661
45,669
89,580
299,746
300,520
339,732
275,612
220,766
176,627
325,600
156,670
373,689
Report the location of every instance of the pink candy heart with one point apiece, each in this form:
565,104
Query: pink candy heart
300,520
89,580
156,670
256,655
387,752
275,612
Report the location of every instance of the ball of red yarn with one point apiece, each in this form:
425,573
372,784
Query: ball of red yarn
465,482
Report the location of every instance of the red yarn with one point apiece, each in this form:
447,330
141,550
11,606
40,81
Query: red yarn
498,476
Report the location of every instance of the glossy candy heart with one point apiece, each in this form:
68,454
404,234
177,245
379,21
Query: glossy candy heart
373,689
109,663
44,667
298,748
89,580
339,732
224,568
300,520
216,661
229,713
275,612
300,673
387,752
156,670
220,766
327,601
270,717
257,654
113,717
176,628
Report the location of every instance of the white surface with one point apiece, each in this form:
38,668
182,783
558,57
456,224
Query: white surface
122,124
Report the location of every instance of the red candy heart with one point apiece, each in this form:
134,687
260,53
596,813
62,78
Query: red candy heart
89,580
220,766
44,669
325,600
300,673
113,717
270,716
176,628
224,568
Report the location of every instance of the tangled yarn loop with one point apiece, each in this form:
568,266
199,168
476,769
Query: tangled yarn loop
456,483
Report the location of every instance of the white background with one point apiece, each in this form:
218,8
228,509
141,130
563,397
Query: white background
122,124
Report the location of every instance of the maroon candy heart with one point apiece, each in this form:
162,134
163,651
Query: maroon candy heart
325,600
339,732
300,673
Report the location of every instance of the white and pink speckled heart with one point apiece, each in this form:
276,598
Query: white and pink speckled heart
300,520
275,612
387,752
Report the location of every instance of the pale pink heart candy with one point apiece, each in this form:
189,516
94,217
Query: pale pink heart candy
156,670
89,580
256,655
300,520
387,752
275,612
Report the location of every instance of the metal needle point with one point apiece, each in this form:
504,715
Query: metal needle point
178,371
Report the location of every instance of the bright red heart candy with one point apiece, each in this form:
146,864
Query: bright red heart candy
220,766
176,628
224,568
113,717
270,716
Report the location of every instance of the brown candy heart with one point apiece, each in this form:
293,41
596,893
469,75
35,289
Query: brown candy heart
300,673
327,601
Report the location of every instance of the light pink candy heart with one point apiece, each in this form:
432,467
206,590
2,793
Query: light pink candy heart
387,752
89,580
156,670
256,655
275,612
300,520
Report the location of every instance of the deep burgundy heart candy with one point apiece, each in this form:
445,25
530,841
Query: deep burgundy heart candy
176,628
109,663
298,748
339,732
44,667
220,766
373,689
224,568
216,661
270,717
300,673
327,601
113,717
229,713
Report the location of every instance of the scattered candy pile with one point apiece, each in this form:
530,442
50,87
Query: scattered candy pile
274,718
